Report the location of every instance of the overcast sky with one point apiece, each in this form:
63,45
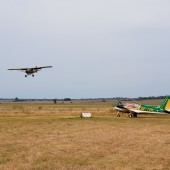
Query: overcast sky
98,48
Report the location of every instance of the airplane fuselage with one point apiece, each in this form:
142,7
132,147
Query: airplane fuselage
150,108
31,71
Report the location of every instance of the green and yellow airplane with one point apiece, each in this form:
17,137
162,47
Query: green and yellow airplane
164,108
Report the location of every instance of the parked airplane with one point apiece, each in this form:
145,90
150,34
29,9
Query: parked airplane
30,71
164,108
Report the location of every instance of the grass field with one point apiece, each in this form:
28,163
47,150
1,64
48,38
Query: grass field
53,136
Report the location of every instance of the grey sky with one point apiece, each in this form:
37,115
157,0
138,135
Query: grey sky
98,48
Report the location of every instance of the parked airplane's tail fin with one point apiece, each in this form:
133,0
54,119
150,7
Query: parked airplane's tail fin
166,104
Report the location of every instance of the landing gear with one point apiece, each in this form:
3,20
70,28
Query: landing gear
25,75
118,114
135,115
132,115
32,75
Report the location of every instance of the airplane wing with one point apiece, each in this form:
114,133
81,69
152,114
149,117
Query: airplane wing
20,69
41,67
144,112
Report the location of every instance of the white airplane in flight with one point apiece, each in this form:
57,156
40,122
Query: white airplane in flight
30,71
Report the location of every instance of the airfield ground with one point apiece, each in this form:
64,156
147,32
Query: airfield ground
53,136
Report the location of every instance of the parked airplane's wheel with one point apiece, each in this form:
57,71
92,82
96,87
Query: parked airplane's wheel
25,75
33,75
118,114
135,115
130,115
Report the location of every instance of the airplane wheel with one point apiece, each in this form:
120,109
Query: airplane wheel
33,75
25,75
135,115
118,115
130,115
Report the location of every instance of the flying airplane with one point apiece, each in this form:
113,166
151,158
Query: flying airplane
30,71
164,108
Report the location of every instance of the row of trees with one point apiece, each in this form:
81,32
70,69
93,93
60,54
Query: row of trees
101,99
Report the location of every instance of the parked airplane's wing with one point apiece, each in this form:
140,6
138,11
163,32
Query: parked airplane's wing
143,112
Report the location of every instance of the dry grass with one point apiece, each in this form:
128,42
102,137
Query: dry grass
65,141
59,109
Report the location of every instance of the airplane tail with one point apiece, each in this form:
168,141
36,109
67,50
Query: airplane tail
166,104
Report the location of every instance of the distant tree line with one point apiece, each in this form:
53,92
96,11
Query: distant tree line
92,99
151,97
139,98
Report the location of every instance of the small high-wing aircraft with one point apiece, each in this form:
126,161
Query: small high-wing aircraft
30,71
136,109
